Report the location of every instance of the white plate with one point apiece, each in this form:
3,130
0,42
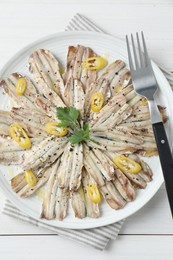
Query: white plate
115,49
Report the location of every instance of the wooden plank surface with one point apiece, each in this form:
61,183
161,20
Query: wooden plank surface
148,234
53,247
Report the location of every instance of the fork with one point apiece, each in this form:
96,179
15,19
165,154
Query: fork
145,84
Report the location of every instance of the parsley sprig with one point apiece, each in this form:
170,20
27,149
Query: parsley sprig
80,135
69,118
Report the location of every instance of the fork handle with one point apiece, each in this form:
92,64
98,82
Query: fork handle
165,159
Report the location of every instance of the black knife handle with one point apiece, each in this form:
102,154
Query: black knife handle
166,159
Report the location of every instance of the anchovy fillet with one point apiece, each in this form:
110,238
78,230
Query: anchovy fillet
74,95
5,122
93,169
112,196
78,203
44,80
102,84
91,207
42,177
61,207
43,154
49,200
64,171
76,170
120,81
110,108
74,68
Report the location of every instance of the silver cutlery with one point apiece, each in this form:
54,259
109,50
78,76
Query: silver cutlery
145,84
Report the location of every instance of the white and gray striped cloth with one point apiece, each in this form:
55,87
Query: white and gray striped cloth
96,237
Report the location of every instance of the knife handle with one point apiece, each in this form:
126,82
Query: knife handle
166,159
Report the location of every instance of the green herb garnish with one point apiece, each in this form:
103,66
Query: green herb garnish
80,135
69,118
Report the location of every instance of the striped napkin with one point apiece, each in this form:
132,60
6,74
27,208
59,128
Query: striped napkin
97,238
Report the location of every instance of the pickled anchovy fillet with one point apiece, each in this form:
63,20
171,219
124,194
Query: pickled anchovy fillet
116,118
70,170
110,108
31,121
18,182
114,145
10,89
5,122
103,164
11,158
43,154
106,145
44,80
91,207
74,68
136,179
31,99
92,168
42,177
55,202
61,207
117,135
74,95
120,81
112,196
64,171
102,84
78,203
76,170
51,67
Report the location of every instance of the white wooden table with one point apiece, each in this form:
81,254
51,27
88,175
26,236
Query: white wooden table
148,234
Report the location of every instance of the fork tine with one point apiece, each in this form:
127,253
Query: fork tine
147,59
134,53
129,54
141,56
